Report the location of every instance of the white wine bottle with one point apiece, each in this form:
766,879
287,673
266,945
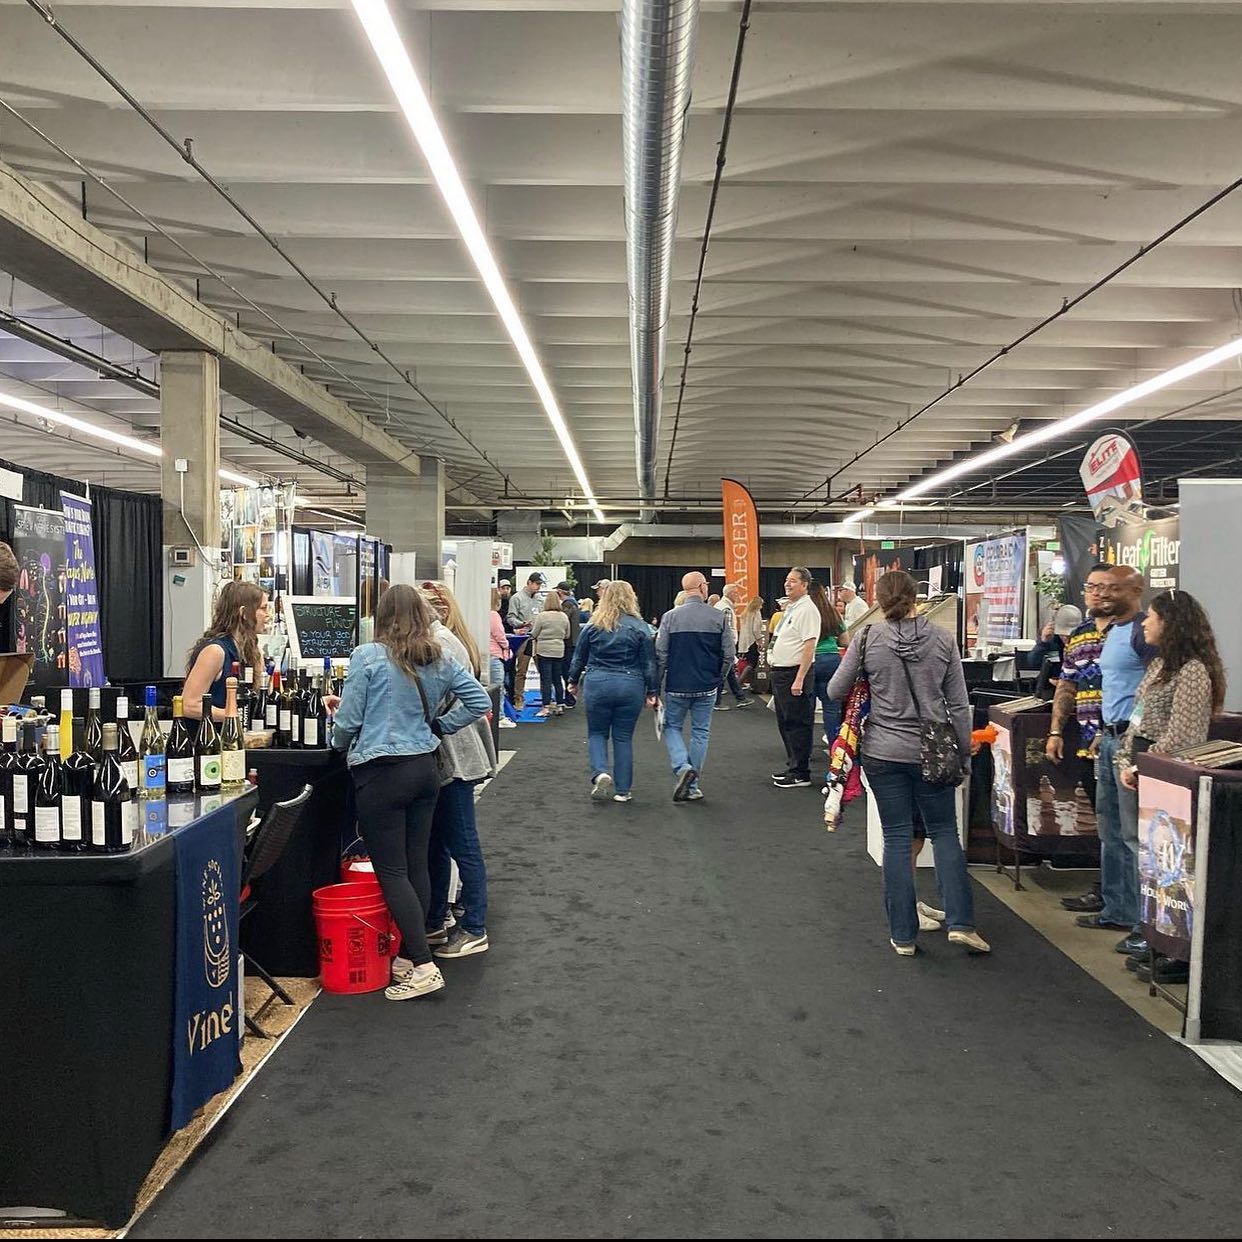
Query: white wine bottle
232,742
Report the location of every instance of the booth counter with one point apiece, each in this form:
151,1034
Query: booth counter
91,991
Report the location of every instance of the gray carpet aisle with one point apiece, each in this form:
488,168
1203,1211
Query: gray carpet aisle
691,1024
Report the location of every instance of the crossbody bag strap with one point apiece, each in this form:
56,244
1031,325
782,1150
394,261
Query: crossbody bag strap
422,694
905,668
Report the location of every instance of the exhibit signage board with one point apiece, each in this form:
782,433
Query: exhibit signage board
1167,864
321,627
996,571
1153,548
84,644
39,600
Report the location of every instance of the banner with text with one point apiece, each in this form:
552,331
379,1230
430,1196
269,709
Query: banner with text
85,646
1112,475
39,601
996,588
1167,865
1153,548
206,1025
741,539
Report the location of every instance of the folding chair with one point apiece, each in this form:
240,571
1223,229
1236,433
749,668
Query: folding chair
283,819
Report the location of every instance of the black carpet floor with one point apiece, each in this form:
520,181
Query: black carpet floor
691,1024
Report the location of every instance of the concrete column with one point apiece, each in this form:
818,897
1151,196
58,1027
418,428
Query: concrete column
189,432
407,512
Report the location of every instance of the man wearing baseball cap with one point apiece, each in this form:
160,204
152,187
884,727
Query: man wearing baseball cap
600,585
569,606
853,606
523,606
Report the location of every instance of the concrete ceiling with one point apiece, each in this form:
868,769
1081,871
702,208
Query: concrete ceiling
909,187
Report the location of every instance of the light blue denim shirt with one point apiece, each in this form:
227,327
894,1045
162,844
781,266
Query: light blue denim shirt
381,712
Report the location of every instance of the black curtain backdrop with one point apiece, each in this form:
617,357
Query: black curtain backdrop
128,532
655,585
1080,547
586,575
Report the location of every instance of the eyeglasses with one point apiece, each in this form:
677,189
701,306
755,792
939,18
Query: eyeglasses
1100,588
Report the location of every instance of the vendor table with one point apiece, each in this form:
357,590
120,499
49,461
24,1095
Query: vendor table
87,992
280,931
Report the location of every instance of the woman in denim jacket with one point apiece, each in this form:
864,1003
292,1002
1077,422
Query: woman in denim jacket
617,654
391,744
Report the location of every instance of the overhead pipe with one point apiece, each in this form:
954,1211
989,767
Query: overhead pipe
657,64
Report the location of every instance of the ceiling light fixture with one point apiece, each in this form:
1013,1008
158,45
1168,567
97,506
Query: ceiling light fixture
103,433
1063,426
861,515
395,60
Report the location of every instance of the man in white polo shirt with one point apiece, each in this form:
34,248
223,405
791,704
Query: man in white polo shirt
791,656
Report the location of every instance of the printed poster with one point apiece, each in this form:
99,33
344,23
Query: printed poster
1002,782
39,601
85,646
996,587
1167,863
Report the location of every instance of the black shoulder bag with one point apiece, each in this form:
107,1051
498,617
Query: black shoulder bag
443,766
940,756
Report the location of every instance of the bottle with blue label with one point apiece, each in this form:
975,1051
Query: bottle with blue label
151,753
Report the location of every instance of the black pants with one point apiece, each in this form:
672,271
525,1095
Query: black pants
795,717
396,800
551,679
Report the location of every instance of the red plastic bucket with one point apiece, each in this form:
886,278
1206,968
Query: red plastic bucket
356,940
358,870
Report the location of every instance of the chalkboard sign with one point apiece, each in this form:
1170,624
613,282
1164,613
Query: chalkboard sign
320,627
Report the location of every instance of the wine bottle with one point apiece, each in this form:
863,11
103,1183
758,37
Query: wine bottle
114,813
23,792
47,783
8,762
93,736
66,724
127,752
232,743
258,710
284,727
245,700
77,775
271,708
207,753
312,724
296,708
179,753
151,752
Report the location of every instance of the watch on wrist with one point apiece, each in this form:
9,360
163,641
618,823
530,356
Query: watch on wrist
1054,732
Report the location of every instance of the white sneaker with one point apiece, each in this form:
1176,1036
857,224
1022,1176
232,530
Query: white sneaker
543,712
602,788
402,970
694,795
415,986
904,950
930,912
506,723
622,797
926,924
970,940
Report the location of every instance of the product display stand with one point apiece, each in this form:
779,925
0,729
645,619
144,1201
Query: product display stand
1039,807
88,978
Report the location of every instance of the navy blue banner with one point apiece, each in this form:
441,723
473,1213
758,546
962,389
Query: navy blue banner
206,1034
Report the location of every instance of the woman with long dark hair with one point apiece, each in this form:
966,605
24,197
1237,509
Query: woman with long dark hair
827,658
237,620
916,676
389,725
1182,688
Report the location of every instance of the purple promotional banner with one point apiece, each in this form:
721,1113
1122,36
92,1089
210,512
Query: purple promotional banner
86,663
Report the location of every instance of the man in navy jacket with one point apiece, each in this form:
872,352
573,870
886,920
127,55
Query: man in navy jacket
694,648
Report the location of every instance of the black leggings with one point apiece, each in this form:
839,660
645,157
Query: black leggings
551,679
396,800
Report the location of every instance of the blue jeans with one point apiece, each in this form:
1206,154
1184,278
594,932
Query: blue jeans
1116,816
898,788
676,708
455,836
735,686
824,667
495,672
614,702
551,679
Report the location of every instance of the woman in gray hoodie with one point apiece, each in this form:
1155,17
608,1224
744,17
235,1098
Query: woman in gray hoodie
891,754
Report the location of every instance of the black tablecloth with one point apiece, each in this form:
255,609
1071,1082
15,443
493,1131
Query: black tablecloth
87,970
280,932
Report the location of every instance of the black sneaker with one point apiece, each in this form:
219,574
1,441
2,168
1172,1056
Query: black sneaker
685,779
787,780
1088,903
1167,971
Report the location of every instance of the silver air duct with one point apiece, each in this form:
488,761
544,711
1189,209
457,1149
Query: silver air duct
657,63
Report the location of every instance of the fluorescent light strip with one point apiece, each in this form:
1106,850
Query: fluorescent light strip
1205,362
857,517
395,60
104,433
